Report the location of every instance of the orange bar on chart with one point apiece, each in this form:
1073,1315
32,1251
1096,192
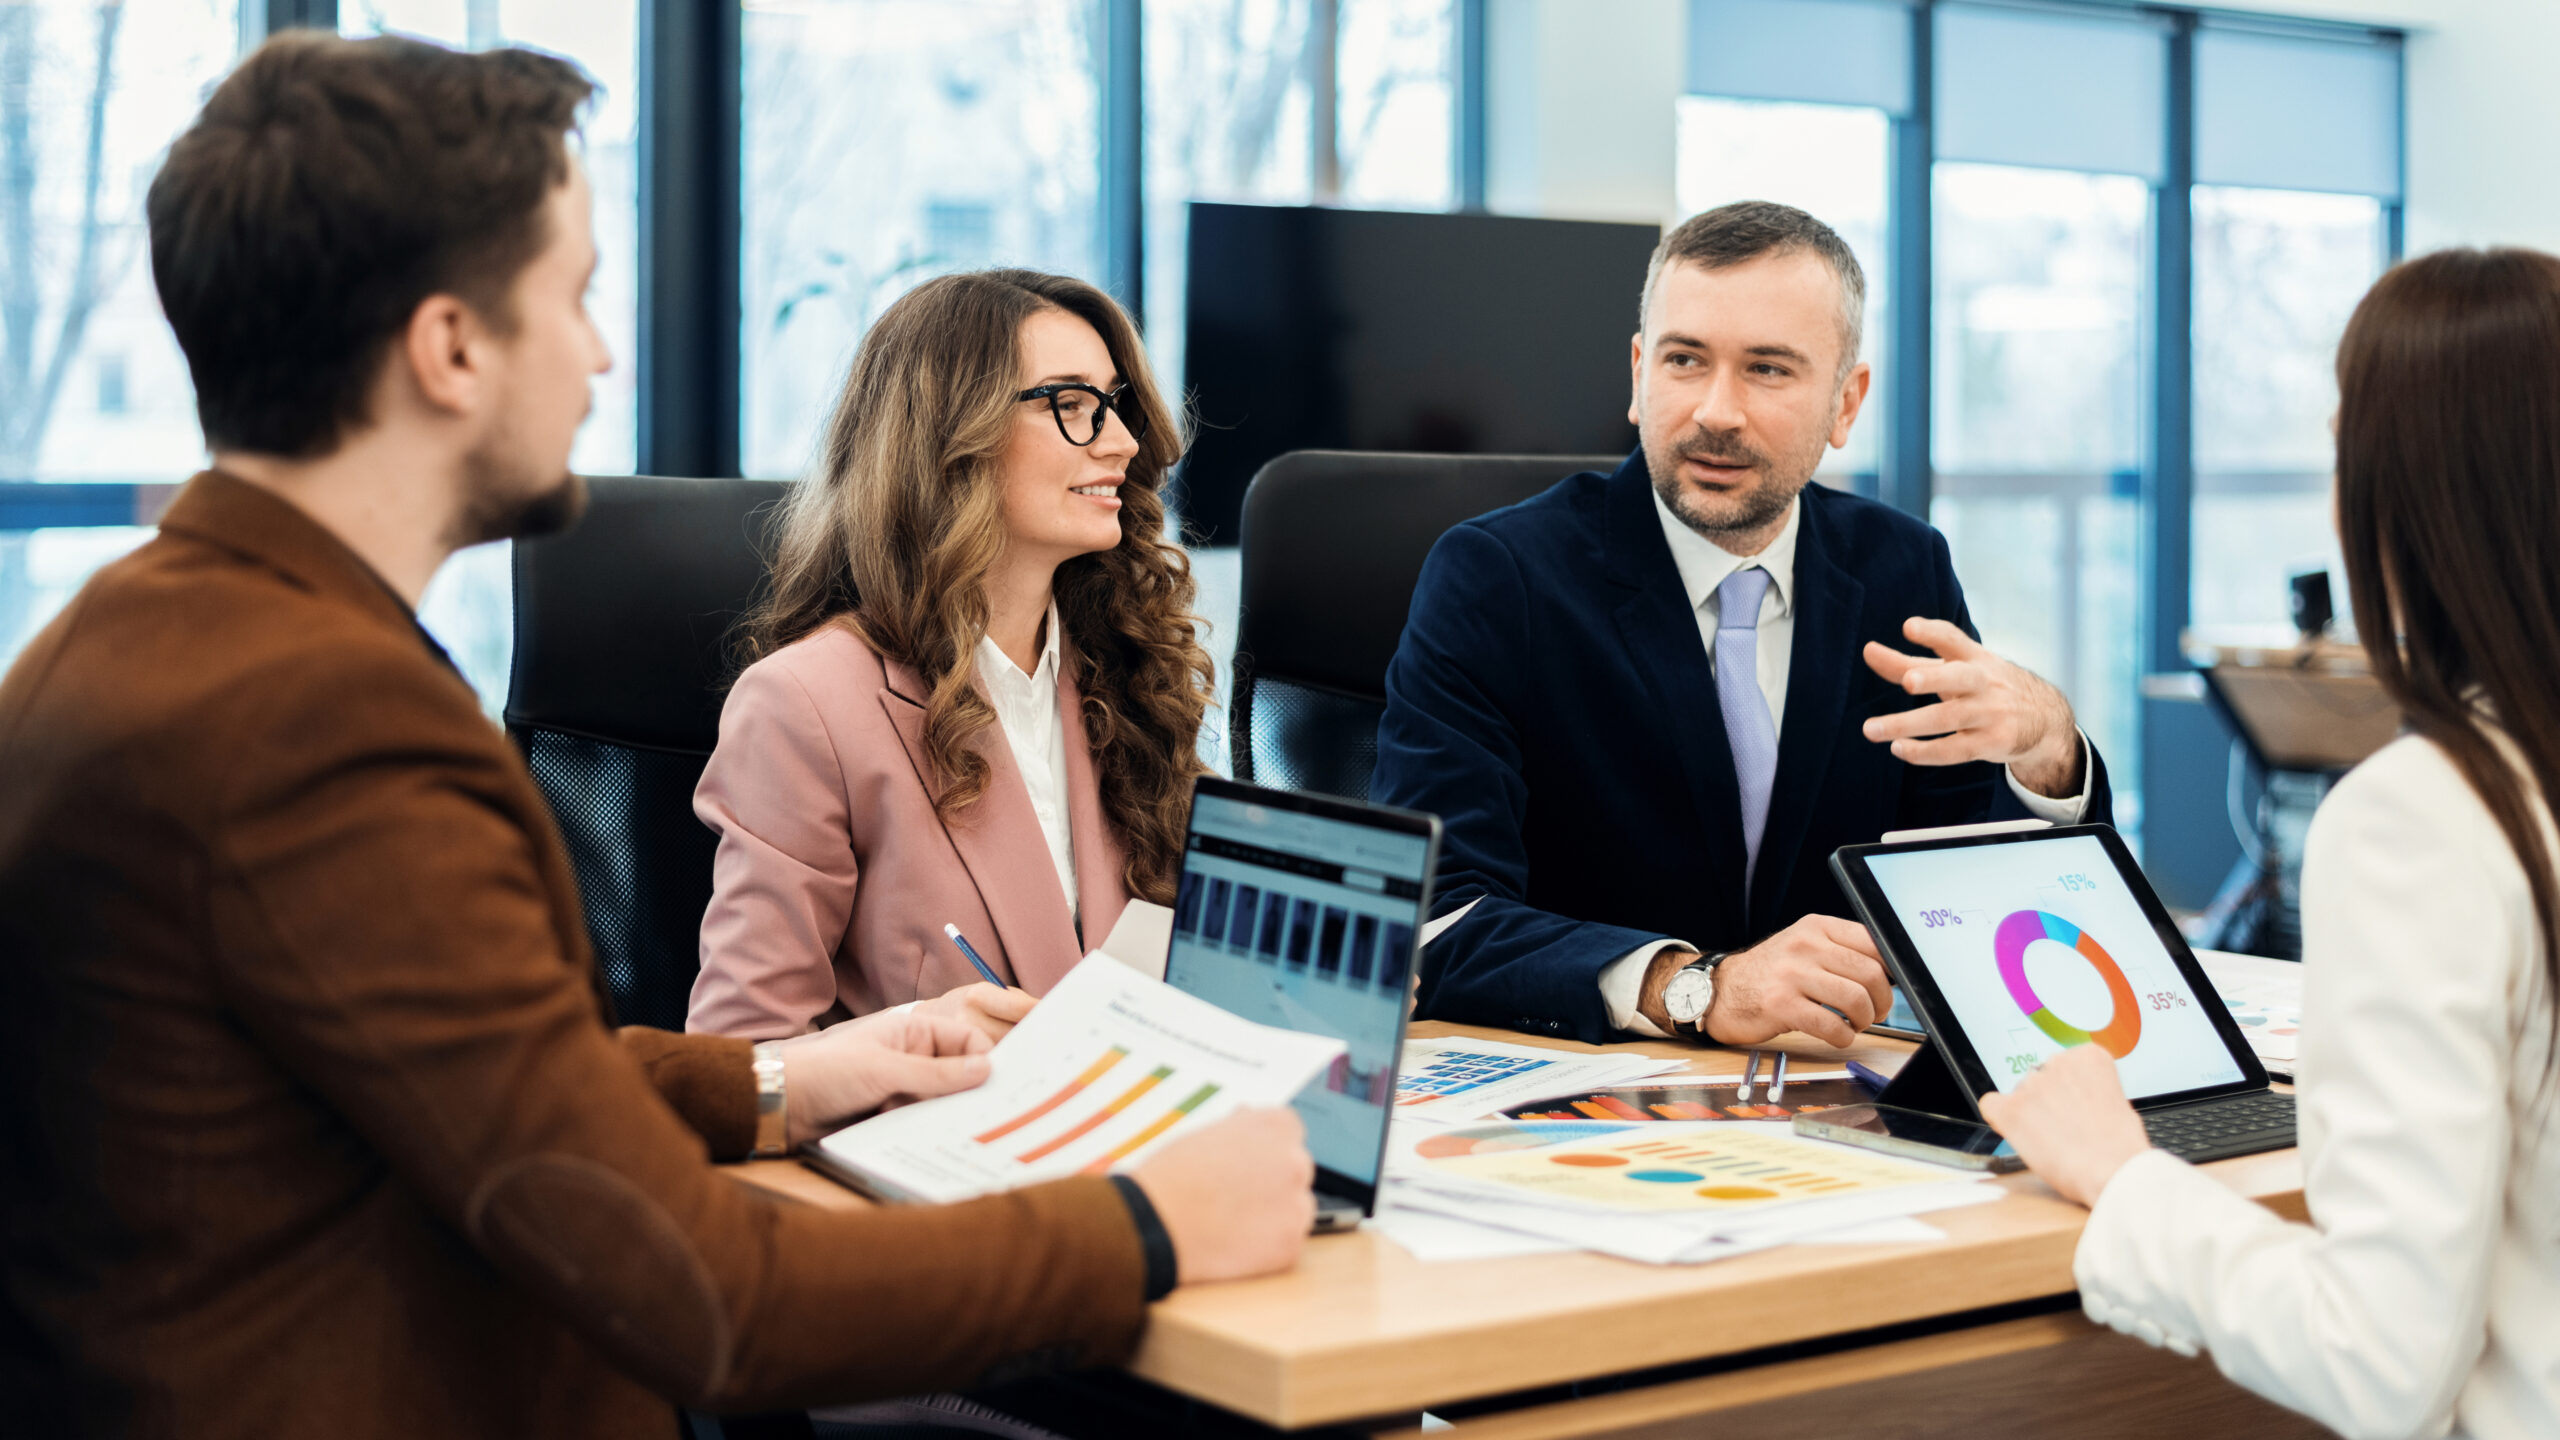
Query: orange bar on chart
1086,1126
1161,1124
1092,1072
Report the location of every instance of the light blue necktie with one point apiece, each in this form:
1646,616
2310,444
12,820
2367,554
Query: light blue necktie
1748,728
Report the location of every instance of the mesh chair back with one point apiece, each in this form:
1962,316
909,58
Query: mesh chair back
621,661
1333,541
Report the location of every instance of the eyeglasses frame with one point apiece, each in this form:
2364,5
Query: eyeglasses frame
1134,418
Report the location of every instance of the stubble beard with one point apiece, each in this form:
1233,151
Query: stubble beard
507,497
1758,507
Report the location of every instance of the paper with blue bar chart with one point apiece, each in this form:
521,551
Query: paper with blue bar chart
1108,1068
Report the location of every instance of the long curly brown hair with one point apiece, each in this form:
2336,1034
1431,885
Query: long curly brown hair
894,531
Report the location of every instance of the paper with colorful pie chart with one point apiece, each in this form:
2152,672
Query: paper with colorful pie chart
1696,1168
2039,945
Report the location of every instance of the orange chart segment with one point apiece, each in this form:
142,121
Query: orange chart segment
1093,1072
1090,1123
1161,1124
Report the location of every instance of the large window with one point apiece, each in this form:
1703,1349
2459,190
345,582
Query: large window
1395,88
2277,273
888,141
1829,161
2038,427
92,387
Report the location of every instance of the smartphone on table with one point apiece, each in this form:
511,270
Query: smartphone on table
1914,1135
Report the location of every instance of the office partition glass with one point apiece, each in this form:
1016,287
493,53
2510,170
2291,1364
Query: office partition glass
1394,85
2037,421
1829,161
2277,272
888,141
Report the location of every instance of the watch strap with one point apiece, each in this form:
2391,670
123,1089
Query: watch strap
773,1128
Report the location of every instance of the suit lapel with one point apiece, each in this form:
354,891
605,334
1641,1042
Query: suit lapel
1661,631
999,841
1102,887
1819,667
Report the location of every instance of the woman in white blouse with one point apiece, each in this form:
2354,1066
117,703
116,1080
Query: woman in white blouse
975,693
2424,1295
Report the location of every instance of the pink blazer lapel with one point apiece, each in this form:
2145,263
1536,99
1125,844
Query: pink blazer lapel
999,840
1102,881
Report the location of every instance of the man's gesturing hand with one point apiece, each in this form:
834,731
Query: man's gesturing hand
1987,709
840,1074
1237,1197
1784,982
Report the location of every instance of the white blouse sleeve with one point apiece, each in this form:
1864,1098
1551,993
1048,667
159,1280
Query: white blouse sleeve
2371,1318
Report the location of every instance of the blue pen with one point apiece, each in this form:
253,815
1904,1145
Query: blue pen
1874,1081
971,951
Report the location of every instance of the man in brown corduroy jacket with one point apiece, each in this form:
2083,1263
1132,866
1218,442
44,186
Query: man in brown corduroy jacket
311,1119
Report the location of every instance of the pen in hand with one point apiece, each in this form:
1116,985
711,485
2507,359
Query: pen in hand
972,952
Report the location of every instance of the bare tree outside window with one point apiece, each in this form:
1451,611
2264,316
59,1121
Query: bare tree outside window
91,92
888,141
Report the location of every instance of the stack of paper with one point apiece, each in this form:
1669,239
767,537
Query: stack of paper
2265,996
1108,1067
1663,1193
1454,1078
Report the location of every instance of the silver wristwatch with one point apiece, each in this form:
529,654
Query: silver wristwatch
773,1128
1691,990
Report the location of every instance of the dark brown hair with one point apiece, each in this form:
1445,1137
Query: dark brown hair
2449,516
1748,229
895,530
328,188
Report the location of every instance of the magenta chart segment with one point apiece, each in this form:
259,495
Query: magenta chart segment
2123,1029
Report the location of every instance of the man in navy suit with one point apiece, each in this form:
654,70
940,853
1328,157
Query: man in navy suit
1649,705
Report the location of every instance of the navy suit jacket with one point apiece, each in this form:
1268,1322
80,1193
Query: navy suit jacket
1553,703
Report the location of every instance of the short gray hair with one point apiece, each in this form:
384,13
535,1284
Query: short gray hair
1748,229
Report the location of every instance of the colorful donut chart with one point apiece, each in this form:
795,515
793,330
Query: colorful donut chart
2123,1030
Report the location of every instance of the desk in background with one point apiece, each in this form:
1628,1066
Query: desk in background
1978,1335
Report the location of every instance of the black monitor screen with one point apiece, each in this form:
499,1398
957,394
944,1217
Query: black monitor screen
1314,328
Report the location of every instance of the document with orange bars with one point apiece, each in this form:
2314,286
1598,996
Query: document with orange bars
1108,1067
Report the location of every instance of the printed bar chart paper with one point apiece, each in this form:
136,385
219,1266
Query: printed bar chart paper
1107,1068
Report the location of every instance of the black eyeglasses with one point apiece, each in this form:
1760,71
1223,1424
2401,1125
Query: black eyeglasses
1080,409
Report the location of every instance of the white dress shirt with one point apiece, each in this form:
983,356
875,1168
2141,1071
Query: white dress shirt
2425,1293
1027,707
1703,566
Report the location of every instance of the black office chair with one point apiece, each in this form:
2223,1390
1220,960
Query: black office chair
621,661
1333,542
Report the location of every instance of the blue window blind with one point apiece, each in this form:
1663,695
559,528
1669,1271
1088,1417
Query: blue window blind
1837,52
2289,112
2053,90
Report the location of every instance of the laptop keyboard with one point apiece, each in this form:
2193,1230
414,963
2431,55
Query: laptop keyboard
2220,1129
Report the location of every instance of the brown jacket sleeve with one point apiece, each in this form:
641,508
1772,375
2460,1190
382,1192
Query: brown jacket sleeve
708,1079
384,924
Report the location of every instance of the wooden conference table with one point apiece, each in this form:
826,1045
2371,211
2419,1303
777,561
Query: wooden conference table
1976,1335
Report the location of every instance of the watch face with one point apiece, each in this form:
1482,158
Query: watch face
1686,996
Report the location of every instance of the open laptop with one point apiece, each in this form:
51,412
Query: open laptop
1305,912
2013,947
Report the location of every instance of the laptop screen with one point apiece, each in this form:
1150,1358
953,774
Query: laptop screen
1301,913
2038,944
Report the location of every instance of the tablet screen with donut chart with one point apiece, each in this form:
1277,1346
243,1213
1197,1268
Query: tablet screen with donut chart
2039,945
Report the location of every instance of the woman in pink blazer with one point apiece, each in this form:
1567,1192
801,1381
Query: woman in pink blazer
975,690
